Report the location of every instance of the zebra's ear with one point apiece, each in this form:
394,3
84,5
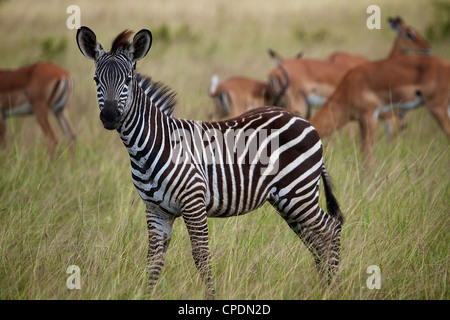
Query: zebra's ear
88,44
142,42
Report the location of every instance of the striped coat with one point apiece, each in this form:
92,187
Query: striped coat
196,170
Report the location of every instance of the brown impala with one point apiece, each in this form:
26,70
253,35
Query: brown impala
408,40
313,81
39,88
403,82
236,95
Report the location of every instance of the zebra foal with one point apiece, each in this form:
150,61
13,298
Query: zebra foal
195,170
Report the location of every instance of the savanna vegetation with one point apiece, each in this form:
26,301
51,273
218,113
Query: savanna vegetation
86,212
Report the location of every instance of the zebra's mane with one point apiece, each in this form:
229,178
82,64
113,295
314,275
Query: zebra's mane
161,95
121,41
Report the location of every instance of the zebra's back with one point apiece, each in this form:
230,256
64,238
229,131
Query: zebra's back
250,159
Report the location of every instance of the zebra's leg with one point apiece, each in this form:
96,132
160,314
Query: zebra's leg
322,237
196,223
320,232
159,234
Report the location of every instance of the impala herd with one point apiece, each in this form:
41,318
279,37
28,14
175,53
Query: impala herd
349,87
344,86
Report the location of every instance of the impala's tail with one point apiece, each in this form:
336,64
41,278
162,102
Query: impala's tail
61,93
221,97
213,85
332,203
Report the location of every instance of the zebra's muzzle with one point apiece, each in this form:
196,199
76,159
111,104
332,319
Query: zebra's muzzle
110,115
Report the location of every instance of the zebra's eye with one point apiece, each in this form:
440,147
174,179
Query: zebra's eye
96,79
128,80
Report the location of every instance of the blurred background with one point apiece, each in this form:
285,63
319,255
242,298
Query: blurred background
195,39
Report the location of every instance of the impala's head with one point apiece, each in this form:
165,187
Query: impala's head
409,39
114,70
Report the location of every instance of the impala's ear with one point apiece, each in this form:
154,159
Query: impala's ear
392,23
395,23
275,56
142,42
88,44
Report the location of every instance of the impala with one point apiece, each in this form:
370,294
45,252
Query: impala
38,89
313,81
403,82
408,40
236,95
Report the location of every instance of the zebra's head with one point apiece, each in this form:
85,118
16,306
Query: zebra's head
114,70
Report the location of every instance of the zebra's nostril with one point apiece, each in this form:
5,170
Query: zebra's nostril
110,115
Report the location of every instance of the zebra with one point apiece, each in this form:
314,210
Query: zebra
174,185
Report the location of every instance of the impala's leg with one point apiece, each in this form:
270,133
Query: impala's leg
399,122
195,219
67,128
367,126
320,232
394,122
351,130
42,115
298,103
159,234
2,131
441,112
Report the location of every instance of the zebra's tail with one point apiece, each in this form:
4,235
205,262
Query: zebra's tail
332,203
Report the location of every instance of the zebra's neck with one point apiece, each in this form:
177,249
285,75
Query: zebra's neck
146,133
148,116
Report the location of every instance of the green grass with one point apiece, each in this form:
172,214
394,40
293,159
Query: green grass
87,212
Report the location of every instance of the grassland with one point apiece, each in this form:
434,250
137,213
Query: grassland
87,213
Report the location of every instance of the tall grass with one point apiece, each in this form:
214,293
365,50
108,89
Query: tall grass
87,213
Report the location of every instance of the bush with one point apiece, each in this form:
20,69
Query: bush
441,18
52,48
